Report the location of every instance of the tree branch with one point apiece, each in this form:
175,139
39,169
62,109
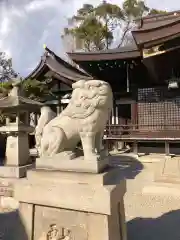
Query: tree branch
124,34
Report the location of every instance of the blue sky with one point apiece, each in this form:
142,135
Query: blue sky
25,25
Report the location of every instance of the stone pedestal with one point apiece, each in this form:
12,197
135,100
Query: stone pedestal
75,164
17,160
71,205
17,149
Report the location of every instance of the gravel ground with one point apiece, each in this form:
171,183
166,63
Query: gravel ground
149,217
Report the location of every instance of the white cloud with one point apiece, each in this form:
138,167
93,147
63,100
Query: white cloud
164,4
38,5
5,26
17,12
25,25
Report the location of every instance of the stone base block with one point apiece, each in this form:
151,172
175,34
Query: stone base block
56,205
168,170
9,202
166,178
162,189
6,189
54,176
14,171
76,164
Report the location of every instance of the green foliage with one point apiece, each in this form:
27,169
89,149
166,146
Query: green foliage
32,89
155,11
5,87
111,15
134,9
35,89
95,26
83,12
93,33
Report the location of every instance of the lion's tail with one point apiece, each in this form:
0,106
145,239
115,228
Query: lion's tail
44,119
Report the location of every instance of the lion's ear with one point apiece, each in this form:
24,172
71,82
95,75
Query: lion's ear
79,84
94,83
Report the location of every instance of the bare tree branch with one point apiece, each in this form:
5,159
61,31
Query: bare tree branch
127,28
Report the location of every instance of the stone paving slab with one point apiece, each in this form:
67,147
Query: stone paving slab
152,217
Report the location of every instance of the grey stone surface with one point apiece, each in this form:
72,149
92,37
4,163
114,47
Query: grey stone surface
14,171
153,216
26,214
76,222
46,116
8,202
78,164
141,157
37,175
6,187
76,195
77,206
168,170
17,150
81,225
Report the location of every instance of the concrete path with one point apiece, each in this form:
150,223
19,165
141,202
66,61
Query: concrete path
11,226
150,217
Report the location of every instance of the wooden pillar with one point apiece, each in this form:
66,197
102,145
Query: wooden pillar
7,120
134,114
27,117
113,118
59,106
117,119
36,117
58,109
135,147
18,118
167,151
127,79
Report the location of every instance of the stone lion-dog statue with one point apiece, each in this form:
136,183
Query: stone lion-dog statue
84,119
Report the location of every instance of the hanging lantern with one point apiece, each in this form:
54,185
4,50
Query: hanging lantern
173,83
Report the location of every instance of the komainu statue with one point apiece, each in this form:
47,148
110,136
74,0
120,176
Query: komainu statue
84,119
46,116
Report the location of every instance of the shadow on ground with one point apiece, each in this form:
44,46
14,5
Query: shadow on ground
165,227
128,167
11,227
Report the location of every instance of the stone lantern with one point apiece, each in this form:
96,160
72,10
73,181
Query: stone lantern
17,110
